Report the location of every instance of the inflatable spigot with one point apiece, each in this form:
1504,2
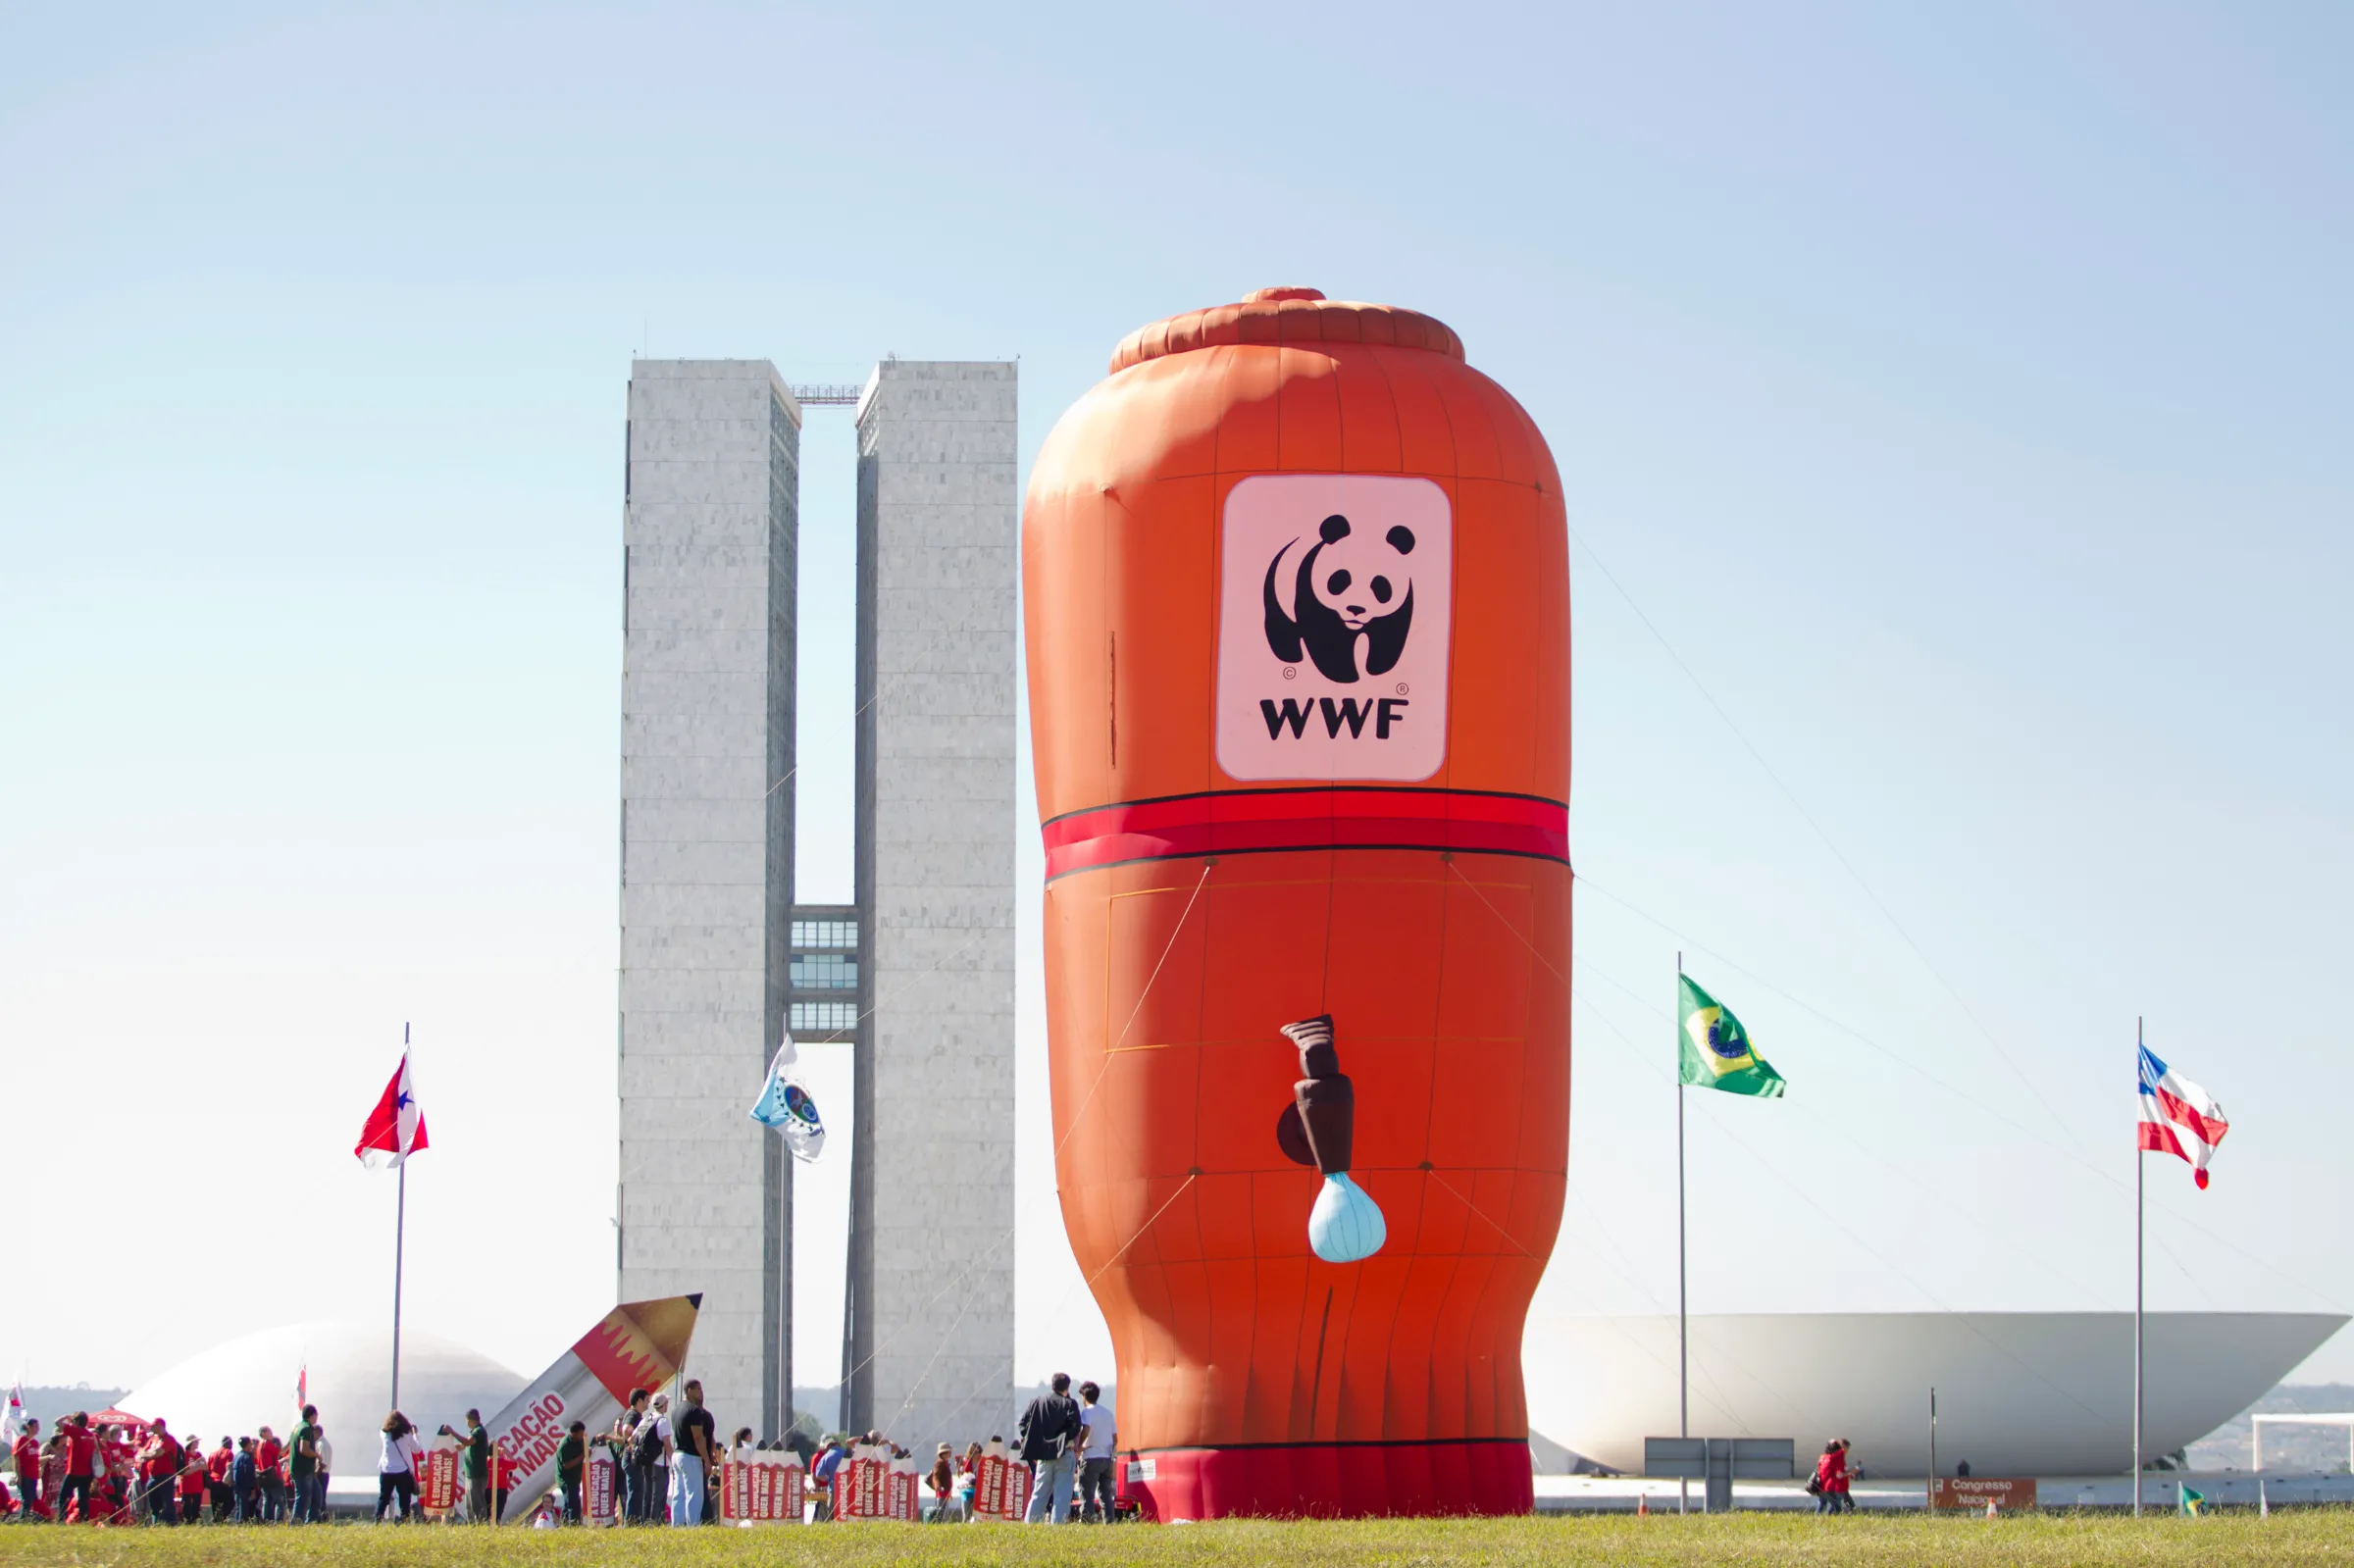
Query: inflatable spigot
1345,1225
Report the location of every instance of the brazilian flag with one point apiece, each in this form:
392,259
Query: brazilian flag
2190,1504
1716,1048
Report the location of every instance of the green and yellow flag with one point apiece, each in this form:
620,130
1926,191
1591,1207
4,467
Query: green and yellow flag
1716,1048
2190,1504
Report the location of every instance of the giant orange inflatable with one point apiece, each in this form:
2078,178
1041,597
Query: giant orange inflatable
1298,604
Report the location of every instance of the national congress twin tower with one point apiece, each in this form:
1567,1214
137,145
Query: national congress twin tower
717,961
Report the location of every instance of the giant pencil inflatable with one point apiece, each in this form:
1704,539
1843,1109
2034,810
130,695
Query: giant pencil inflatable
638,1345
1298,603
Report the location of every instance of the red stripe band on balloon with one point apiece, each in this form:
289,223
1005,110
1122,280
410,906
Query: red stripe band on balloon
1342,817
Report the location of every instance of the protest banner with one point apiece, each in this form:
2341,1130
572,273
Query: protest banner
600,1492
764,1491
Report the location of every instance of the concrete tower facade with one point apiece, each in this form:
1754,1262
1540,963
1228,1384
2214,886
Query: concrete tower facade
712,537
929,1351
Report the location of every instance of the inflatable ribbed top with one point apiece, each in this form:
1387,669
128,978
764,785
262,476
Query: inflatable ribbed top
1287,316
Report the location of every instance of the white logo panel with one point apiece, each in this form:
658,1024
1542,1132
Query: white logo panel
1335,601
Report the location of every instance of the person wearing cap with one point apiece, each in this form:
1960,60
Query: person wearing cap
191,1482
160,1459
943,1481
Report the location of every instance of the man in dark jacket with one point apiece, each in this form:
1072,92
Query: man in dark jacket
1047,1434
245,1480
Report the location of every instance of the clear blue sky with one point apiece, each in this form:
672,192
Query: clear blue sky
1963,392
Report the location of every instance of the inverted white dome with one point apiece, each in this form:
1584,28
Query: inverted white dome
248,1382
2019,1394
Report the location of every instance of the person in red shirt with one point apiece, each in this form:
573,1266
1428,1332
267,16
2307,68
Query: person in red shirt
82,1453
53,1472
268,1454
160,1463
215,1475
190,1481
118,1463
26,1453
502,1479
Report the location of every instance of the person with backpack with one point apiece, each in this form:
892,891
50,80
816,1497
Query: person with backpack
623,1440
650,1458
1046,1433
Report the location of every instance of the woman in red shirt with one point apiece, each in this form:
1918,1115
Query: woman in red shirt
191,1483
1830,1477
27,1454
266,1458
119,1462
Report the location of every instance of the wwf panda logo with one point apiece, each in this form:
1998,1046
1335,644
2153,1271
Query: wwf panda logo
1344,586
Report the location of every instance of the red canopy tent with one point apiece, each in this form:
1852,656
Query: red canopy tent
119,1418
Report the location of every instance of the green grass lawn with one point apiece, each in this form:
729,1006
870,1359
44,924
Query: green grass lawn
2320,1536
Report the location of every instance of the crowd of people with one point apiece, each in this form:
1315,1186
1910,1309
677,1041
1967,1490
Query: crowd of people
667,1455
87,1471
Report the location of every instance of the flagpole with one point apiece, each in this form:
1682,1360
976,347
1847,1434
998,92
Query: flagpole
401,1228
2138,1164
1683,1351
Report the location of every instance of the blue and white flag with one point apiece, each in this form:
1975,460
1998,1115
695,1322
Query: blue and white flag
786,1105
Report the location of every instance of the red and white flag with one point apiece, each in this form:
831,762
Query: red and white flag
303,1373
2177,1116
395,1129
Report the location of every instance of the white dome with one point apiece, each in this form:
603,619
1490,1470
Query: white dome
237,1387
